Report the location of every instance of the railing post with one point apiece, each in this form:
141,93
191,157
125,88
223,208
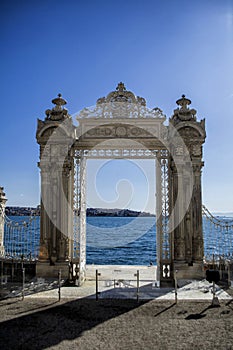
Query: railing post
97,274
175,279
12,270
137,275
23,282
59,285
215,301
229,274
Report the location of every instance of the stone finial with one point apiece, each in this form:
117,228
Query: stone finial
2,195
57,112
183,113
59,101
121,87
183,102
121,95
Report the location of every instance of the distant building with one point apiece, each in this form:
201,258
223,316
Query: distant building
22,211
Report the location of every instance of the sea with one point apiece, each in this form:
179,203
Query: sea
110,240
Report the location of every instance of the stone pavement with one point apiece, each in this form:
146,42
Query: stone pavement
119,282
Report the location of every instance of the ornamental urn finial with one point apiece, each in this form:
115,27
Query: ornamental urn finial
2,195
59,101
183,113
121,87
183,102
58,112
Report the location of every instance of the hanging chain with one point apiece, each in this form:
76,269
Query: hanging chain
218,236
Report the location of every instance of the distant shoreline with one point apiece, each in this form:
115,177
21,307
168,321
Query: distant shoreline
31,211
35,211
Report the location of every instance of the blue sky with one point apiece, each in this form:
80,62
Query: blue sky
159,49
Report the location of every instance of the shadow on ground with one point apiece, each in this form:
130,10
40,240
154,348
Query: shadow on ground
48,322
86,324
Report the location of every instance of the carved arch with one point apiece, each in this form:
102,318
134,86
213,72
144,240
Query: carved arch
62,130
194,129
46,132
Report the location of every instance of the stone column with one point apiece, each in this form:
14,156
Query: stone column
67,205
81,212
186,164
196,215
56,137
178,231
45,221
3,201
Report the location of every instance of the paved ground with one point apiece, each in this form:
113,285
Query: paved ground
107,324
192,290
120,282
78,321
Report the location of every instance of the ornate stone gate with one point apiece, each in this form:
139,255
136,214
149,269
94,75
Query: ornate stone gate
121,126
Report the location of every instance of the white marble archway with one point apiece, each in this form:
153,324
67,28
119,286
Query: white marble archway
120,116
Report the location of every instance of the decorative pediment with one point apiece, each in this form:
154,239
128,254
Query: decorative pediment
121,95
120,103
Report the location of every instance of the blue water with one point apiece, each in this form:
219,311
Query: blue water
121,240
112,240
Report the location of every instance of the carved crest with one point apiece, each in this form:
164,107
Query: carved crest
121,103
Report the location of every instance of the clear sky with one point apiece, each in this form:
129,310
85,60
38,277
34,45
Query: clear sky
159,49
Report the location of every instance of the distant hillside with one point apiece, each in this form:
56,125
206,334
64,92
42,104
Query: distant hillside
115,212
27,211
22,211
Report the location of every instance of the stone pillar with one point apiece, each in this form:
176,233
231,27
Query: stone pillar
178,231
185,190
81,219
56,137
3,201
196,215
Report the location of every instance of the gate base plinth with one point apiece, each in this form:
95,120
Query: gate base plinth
169,283
185,271
45,270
